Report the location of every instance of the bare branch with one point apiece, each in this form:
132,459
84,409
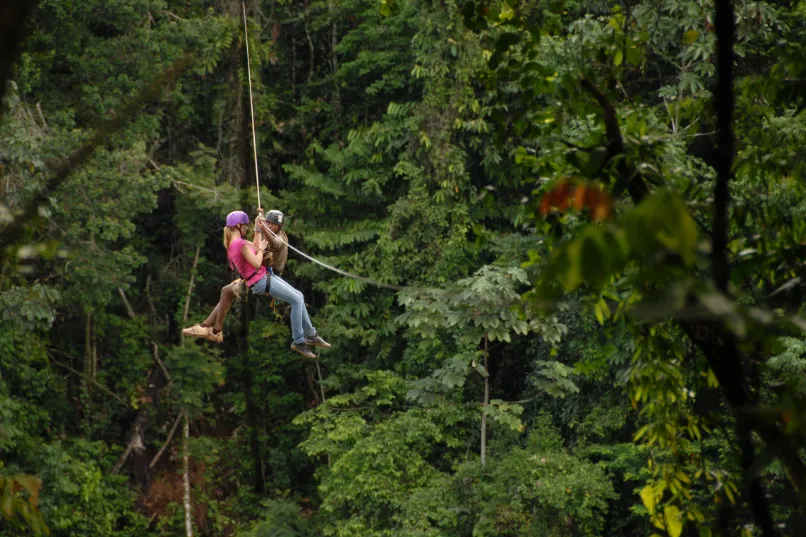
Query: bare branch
155,353
167,441
84,377
126,302
190,285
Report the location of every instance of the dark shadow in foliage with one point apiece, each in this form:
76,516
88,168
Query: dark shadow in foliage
13,26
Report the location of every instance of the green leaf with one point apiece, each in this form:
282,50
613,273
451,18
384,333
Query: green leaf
690,36
648,497
674,520
507,13
662,222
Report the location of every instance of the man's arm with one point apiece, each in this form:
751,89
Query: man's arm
274,241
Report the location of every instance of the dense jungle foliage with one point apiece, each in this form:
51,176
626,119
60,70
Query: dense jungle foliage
595,210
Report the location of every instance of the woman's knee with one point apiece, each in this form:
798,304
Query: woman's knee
228,291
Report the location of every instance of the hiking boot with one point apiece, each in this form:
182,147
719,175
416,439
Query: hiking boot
316,341
303,349
204,332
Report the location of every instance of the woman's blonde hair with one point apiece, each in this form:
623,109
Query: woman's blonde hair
228,231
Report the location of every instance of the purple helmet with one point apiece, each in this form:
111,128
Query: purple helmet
237,217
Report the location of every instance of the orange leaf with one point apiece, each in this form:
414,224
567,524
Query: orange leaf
601,212
580,194
545,205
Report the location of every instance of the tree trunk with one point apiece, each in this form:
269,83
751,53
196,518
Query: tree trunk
293,68
87,376
725,24
486,402
94,362
88,347
311,50
186,476
334,63
322,391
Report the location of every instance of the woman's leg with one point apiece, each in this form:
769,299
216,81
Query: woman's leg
216,318
300,322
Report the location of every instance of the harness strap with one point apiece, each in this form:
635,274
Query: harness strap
247,278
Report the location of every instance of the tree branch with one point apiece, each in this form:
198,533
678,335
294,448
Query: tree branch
125,300
167,441
627,178
156,355
88,379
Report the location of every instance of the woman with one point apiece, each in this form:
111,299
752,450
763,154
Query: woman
247,258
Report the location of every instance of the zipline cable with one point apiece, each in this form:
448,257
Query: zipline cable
251,104
342,272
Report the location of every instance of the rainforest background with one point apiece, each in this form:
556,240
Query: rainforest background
595,208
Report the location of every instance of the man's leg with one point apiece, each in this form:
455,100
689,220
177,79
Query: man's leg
302,330
300,323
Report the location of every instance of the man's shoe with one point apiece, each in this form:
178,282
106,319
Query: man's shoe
316,341
303,349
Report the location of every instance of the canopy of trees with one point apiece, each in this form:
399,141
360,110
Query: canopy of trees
594,209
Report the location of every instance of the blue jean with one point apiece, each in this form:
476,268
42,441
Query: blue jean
301,326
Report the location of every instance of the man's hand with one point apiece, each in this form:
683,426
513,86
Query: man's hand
260,223
264,228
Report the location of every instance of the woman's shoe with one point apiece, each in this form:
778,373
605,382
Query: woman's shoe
204,332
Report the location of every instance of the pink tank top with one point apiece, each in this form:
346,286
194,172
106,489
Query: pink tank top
241,264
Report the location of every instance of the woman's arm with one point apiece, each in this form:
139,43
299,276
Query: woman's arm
254,259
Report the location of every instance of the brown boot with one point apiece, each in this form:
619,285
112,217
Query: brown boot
303,349
317,341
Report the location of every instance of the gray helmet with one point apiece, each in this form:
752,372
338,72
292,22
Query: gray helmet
275,217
